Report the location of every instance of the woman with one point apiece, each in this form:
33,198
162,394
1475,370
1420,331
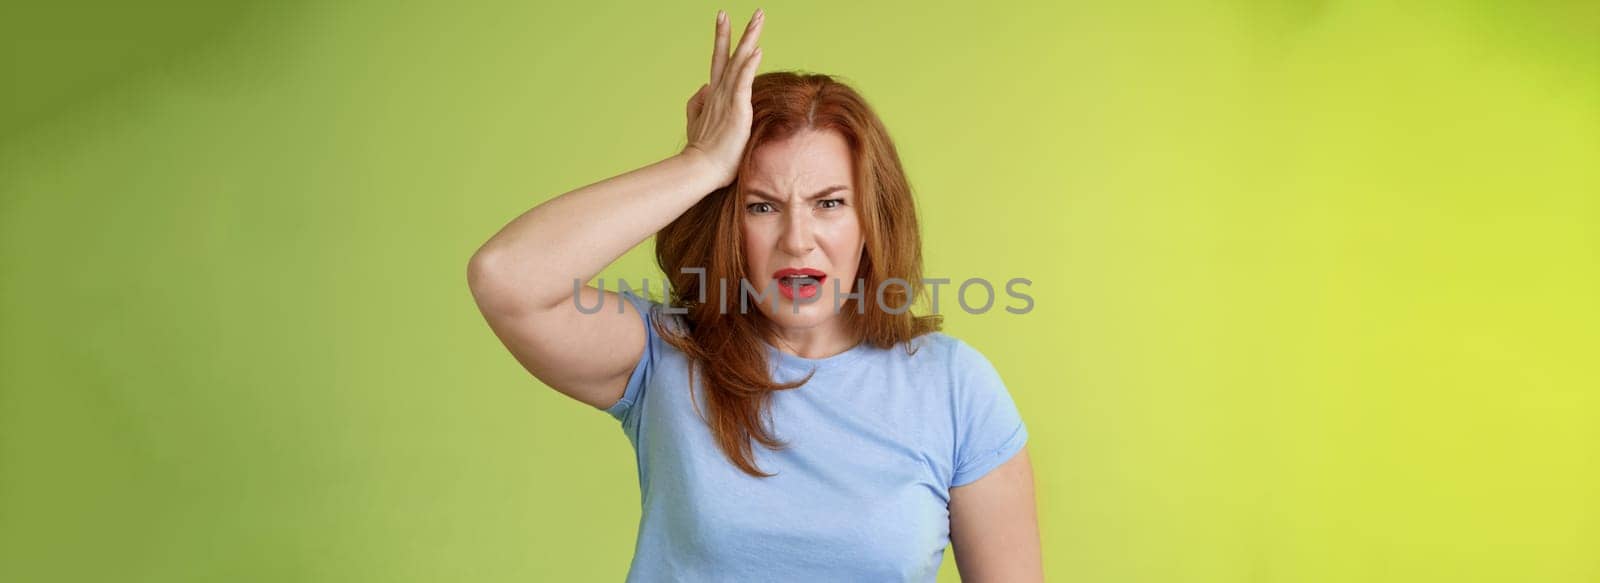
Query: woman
881,438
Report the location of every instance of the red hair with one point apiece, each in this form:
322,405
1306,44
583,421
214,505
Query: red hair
725,346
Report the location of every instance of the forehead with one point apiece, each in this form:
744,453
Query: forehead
801,163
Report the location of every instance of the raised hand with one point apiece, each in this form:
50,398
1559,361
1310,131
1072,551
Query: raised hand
719,113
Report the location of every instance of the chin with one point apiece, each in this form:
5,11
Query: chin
809,315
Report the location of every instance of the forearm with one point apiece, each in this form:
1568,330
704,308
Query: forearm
531,263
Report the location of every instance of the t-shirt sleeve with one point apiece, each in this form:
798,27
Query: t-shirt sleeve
625,410
989,429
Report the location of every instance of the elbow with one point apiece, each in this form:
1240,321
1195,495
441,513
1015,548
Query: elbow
480,270
479,267
488,284
501,286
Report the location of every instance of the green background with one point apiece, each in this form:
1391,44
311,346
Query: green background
1316,282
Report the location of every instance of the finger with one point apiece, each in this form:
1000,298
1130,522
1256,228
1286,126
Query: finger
696,100
752,33
748,75
719,51
747,43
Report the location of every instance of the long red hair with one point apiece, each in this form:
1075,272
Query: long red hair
725,346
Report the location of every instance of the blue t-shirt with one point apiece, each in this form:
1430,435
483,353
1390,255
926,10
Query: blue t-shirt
876,440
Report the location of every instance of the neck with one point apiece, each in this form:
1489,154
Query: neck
821,341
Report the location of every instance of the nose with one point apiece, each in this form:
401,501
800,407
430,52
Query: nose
798,237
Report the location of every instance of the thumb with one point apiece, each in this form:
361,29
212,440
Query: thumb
696,99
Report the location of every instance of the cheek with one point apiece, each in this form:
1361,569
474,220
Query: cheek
755,244
843,236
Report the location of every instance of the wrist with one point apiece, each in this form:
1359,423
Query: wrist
702,166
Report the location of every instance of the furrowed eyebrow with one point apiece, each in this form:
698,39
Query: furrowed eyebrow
824,192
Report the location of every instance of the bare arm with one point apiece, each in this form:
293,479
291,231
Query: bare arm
522,277
994,527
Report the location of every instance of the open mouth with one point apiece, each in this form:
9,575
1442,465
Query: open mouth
802,283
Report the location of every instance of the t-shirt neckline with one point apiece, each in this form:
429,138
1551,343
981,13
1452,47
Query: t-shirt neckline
800,362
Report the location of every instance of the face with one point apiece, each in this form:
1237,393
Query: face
800,213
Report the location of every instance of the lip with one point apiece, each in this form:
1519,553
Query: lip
805,291
788,271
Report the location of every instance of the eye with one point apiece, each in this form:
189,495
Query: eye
757,207
837,202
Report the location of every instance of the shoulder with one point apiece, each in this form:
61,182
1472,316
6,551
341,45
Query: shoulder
947,350
654,310
971,374
940,355
936,344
